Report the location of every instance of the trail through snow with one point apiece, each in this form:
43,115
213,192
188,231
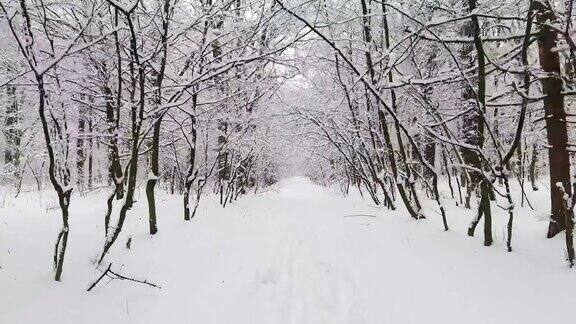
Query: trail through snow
298,253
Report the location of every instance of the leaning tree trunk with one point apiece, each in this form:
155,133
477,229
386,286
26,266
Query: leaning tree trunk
402,189
62,192
192,175
137,72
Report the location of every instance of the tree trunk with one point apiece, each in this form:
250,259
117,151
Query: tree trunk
13,133
555,115
80,150
153,177
533,167
154,163
137,72
472,125
63,193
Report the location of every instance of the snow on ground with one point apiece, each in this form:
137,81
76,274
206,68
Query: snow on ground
298,253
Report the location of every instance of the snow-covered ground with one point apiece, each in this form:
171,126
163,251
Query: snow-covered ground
298,253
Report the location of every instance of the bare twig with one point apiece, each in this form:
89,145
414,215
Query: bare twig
114,275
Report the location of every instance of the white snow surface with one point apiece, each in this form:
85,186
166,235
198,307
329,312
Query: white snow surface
297,253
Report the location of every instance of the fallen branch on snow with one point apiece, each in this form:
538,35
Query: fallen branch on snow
113,275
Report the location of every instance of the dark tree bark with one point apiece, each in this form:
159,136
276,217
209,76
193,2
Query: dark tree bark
192,175
80,149
137,72
474,128
115,172
533,169
13,133
429,155
63,192
155,156
555,116
90,148
556,127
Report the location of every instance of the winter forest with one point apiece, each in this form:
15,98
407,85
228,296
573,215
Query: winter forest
287,161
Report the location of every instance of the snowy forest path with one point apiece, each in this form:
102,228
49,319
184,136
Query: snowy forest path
297,253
